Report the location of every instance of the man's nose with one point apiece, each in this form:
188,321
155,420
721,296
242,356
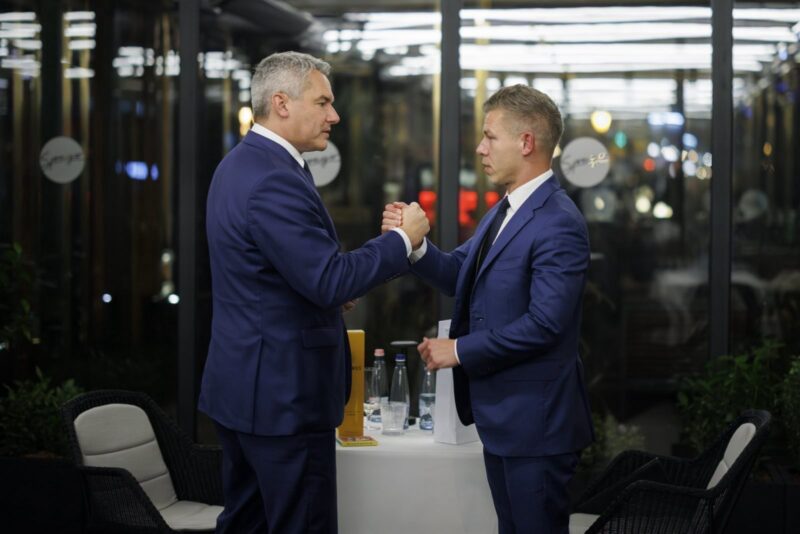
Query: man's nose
333,117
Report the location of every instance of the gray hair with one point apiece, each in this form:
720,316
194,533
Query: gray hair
530,109
283,72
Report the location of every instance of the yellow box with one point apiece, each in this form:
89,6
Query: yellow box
353,424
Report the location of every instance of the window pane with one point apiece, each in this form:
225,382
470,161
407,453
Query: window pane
765,282
636,83
101,241
385,141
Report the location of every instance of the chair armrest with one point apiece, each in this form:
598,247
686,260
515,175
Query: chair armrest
597,502
619,469
197,475
678,471
117,503
656,508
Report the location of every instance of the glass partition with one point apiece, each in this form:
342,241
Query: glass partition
384,148
635,82
765,280
87,106
100,245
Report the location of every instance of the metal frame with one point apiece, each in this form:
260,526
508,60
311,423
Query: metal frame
719,265
189,20
449,135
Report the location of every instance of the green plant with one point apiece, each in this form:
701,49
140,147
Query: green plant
790,400
16,317
729,385
611,438
29,417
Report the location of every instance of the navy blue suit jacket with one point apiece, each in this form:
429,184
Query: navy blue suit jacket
278,361
520,379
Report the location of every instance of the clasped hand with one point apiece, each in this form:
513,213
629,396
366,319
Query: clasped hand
410,218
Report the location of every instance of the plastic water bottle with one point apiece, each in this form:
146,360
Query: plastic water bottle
427,400
383,384
399,392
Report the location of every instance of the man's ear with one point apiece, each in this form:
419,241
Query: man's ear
280,104
528,143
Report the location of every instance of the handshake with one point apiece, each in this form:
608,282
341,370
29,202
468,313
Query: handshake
408,217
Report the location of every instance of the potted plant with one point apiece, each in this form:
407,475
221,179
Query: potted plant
30,424
16,317
611,438
727,386
42,490
790,400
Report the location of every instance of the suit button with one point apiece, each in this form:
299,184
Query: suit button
479,319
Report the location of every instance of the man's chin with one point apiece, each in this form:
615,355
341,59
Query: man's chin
319,147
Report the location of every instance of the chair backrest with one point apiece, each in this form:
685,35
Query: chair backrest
739,440
740,445
120,435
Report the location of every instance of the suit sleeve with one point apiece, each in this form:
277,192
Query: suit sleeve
288,226
558,267
440,269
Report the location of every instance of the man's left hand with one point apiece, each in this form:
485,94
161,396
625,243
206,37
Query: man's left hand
349,305
438,353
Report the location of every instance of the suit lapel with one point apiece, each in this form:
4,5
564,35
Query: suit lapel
464,284
280,154
522,217
464,275
327,216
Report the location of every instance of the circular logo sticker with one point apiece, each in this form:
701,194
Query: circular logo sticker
324,165
62,159
584,162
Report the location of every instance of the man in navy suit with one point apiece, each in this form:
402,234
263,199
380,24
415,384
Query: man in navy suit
514,334
278,370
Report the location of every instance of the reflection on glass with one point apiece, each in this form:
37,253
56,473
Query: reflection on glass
385,143
101,245
765,282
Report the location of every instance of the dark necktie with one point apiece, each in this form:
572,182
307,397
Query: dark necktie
491,235
308,174
483,251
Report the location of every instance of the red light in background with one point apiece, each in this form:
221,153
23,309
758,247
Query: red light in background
467,202
649,164
427,201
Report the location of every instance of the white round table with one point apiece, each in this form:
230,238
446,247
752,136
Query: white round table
411,484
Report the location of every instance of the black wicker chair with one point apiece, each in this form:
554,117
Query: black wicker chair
117,501
641,493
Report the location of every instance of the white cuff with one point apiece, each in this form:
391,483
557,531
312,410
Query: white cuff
416,255
406,240
455,350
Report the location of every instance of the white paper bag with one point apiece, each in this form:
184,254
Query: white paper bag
447,427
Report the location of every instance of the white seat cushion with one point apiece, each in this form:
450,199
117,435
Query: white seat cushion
120,435
736,445
189,515
580,523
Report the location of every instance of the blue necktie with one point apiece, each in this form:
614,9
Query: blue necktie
491,235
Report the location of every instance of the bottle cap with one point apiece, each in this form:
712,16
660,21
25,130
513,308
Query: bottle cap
379,353
399,357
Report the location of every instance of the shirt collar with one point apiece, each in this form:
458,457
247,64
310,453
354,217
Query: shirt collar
518,197
272,136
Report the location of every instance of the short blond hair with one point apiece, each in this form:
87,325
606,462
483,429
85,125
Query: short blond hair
530,109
